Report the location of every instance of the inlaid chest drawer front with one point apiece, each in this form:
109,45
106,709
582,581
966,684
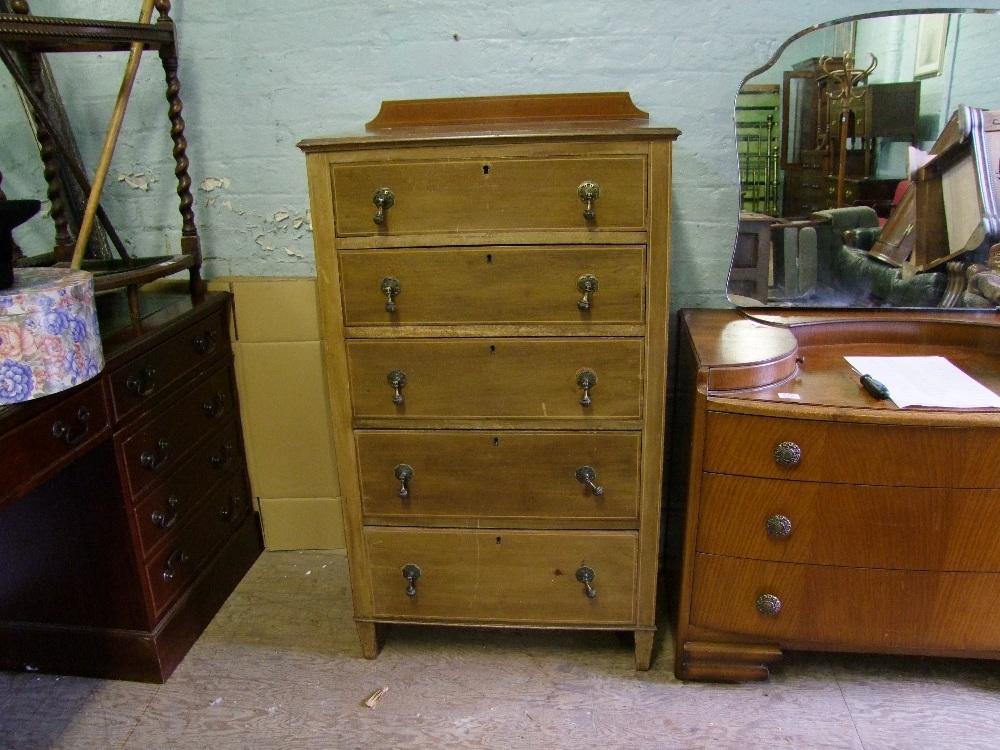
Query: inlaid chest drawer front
579,378
165,507
145,378
154,449
498,475
846,452
860,526
503,576
572,284
861,609
52,437
500,193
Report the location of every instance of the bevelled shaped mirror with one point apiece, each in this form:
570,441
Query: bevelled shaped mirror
869,161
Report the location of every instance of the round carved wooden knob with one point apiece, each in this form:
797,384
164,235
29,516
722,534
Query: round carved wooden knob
787,453
778,526
768,604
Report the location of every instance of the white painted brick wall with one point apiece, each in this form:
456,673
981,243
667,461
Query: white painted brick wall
257,76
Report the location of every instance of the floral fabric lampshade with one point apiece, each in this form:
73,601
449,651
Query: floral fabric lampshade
49,336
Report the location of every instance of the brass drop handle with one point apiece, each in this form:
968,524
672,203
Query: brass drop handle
768,604
149,459
586,576
588,285
391,288
589,192
177,558
227,511
221,459
404,473
215,406
384,199
161,519
397,379
787,454
60,431
586,476
142,384
586,379
205,343
411,573
778,526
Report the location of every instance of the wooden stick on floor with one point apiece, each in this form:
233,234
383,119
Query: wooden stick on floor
110,139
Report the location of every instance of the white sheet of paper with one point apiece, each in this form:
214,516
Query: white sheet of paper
926,381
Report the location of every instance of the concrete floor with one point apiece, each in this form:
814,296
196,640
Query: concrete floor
279,667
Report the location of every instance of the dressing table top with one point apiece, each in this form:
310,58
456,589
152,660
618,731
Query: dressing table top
798,358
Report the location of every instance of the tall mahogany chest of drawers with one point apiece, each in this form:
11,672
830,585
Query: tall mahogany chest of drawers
818,517
494,283
125,511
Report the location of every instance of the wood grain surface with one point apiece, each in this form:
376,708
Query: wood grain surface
493,284
450,194
503,576
504,475
862,525
859,609
514,378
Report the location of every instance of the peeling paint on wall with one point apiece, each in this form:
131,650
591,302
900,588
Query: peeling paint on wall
214,183
137,180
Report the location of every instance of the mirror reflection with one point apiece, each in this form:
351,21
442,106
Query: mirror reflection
869,157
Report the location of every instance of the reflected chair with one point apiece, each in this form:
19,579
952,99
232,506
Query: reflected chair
844,237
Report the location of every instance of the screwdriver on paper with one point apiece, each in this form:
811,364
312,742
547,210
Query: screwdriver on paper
876,388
